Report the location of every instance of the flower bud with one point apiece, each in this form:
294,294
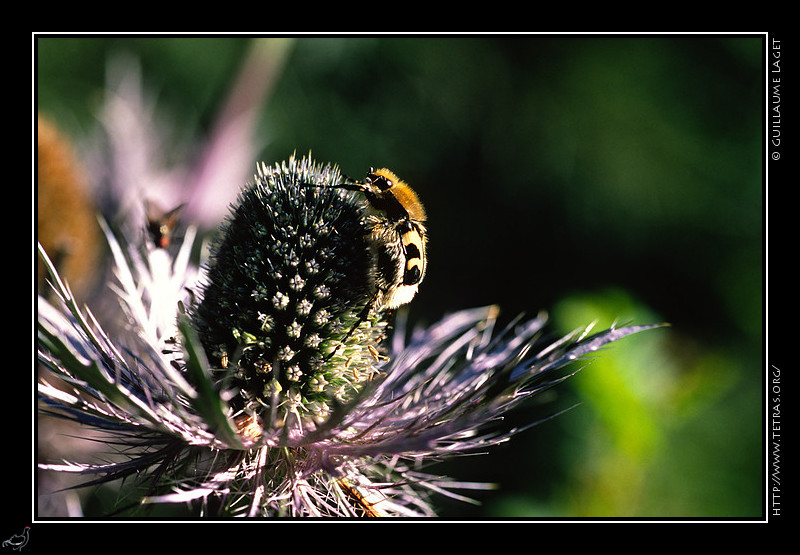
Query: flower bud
288,296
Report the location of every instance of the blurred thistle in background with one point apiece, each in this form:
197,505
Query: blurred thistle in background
645,402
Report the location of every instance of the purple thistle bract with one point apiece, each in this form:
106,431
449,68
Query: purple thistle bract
222,393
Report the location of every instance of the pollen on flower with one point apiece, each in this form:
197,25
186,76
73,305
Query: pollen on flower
304,307
312,267
317,383
294,329
313,340
297,283
321,317
286,353
321,292
293,373
307,241
280,300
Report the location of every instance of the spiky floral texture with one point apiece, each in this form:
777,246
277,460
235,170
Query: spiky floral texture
242,438
283,312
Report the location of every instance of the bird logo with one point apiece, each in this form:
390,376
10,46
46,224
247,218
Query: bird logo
18,541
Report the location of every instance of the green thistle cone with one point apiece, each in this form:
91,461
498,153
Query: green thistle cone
282,316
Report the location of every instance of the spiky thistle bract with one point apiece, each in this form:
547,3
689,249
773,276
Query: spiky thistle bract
242,389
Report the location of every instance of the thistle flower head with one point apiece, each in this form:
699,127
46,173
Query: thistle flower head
281,389
285,315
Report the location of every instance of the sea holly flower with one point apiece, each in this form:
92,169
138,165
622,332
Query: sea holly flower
258,385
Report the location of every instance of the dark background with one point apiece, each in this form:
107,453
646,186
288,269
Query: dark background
598,178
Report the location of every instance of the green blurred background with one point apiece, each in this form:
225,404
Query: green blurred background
598,178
